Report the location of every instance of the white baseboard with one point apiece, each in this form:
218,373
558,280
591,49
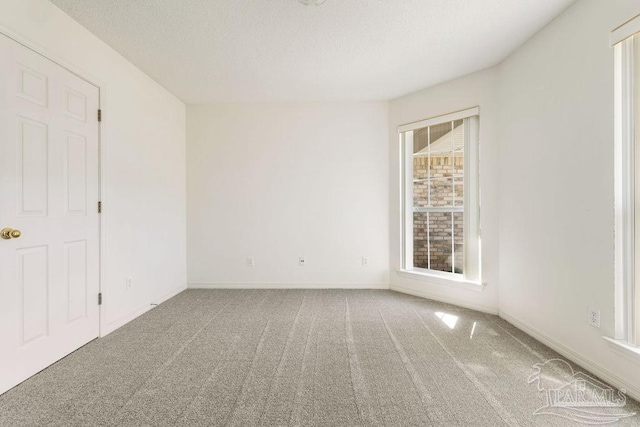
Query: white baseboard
288,286
454,301
121,321
604,374
169,295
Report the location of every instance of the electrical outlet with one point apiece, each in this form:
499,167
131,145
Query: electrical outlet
250,262
129,283
594,317
301,261
365,261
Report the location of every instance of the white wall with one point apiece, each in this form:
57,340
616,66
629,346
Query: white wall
144,164
279,181
478,89
556,186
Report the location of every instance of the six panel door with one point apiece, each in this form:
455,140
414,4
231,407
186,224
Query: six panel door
49,157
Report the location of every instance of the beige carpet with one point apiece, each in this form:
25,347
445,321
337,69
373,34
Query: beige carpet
300,357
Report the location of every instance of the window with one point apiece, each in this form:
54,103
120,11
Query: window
626,42
441,196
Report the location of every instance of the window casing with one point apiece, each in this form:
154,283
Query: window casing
441,200
626,42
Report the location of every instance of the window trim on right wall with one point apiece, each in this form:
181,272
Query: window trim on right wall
627,182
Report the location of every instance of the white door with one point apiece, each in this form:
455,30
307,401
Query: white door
49,274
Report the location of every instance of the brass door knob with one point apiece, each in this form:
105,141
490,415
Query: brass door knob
10,233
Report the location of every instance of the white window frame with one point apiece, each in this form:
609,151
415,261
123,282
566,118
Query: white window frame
472,240
627,185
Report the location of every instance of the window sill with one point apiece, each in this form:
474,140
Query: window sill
443,280
625,349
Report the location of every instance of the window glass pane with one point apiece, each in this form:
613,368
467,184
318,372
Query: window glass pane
459,193
420,240
458,241
420,141
440,244
420,167
441,190
421,181
420,193
458,163
441,163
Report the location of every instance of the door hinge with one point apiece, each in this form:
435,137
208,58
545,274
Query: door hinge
99,115
99,207
100,298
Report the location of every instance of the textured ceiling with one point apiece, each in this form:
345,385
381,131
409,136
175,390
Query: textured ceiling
214,51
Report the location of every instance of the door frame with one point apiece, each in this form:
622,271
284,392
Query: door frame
102,137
